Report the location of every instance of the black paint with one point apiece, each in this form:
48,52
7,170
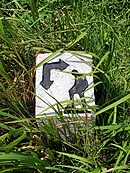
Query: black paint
78,88
46,82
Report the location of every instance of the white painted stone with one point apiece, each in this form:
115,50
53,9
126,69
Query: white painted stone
63,82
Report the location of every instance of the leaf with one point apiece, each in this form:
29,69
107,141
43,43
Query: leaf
54,169
8,115
101,61
23,158
1,27
34,10
17,4
4,74
22,162
75,168
8,170
51,56
76,157
12,132
123,149
5,38
83,34
117,168
15,142
113,105
3,126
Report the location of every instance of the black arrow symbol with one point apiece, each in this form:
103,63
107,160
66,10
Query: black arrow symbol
47,67
79,87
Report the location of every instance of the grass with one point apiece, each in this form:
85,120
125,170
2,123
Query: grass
99,28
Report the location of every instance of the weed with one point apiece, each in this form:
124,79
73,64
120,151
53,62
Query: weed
99,28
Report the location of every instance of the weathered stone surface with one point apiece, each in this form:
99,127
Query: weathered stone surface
61,79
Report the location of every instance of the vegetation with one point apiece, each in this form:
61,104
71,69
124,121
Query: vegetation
100,28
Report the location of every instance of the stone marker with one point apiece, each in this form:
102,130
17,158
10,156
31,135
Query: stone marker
64,78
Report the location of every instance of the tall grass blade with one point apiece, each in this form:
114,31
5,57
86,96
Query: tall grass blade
49,58
76,157
125,167
75,168
34,10
101,61
82,35
15,142
113,105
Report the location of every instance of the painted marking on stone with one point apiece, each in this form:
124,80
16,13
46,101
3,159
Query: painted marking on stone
47,67
78,88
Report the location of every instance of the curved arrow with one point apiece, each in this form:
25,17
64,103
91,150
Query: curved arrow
47,67
79,87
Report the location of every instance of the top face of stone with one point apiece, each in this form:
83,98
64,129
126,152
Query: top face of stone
61,79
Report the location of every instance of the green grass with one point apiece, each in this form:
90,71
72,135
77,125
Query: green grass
100,28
